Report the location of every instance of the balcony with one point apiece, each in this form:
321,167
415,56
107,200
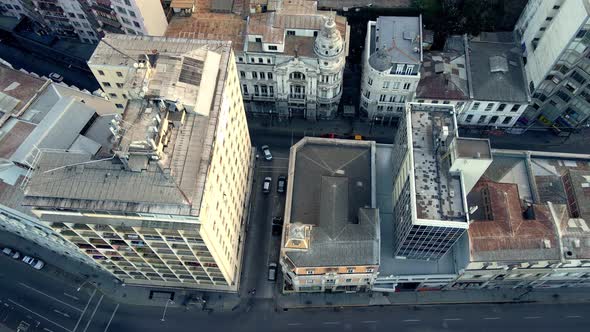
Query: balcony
297,96
102,8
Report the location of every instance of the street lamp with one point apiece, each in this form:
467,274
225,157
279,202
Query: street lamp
168,301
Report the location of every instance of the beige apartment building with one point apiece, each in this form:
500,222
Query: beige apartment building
331,234
163,202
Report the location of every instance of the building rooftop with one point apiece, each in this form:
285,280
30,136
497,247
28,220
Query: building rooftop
496,70
161,144
395,39
295,14
17,89
577,189
211,26
331,191
438,192
504,228
443,75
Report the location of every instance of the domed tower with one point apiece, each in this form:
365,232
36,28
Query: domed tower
329,48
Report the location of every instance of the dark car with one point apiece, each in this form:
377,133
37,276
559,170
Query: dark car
282,184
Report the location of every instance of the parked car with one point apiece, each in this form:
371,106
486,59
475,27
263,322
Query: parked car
277,229
277,220
281,184
11,252
36,263
266,184
272,271
56,77
266,152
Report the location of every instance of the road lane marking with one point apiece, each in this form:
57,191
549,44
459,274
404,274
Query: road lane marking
85,308
61,313
110,320
453,319
71,296
573,316
34,313
294,324
49,296
93,312
532,317
331,323
369,321
46,329
491,318
410,320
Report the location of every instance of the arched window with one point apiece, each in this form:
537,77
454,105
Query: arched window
297,76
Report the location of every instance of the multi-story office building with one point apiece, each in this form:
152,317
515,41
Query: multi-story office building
292,62
331,237
433,169
555,37
391,66
89,20
482,77
165,202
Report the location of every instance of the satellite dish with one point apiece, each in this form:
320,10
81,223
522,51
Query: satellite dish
141,65
142,94
144,89
135,65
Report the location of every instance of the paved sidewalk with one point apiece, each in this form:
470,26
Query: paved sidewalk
319,300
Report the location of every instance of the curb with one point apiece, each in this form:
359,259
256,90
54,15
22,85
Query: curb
413,304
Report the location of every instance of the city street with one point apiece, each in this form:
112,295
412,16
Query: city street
49,304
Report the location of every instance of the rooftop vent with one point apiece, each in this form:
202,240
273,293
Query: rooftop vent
498,64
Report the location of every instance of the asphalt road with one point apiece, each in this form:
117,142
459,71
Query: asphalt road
50,305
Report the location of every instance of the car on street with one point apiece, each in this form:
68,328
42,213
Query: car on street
56,77
281,184
11,253
36,263
266,152
277,230
266,184
272,271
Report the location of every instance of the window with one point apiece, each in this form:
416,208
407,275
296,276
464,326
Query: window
106,84
407,86
252,60
290,33
262,75
409,69
125,20
264,90
475,106
119,105
402,99
501,107
564,96
242,74
260,60
254,75
581,33
380,108
482,119
269,75
121,10
399,69
245,89
272,48
367,94
258,40
240,59
309,281
389,108
434,102
113,95
128,3
350,270
124,96
348,280
507,120
370,81
578,78
446,102
271,91
136,24
70,14
392,99
101,73
370,269
131,13
395,85
493,119
297,76
81,16
469,118
120,74
382,97
549,18
256,91
489,107
315,33
119,85
268,60
386,85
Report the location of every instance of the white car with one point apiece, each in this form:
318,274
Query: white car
56,77
37,264
266,185
266,152
11,252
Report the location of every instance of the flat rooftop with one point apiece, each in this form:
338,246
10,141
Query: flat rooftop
438,193
503,229
393,40
162,149
331,189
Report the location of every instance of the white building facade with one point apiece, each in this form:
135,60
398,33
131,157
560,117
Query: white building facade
292,62
391,66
